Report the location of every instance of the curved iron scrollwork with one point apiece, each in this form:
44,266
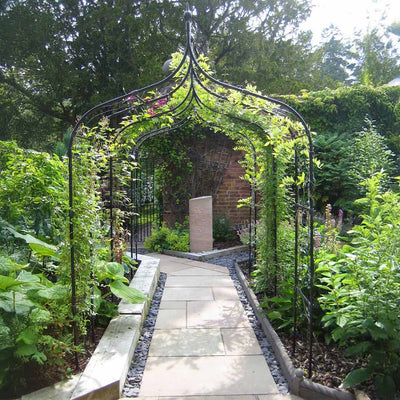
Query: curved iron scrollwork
190,75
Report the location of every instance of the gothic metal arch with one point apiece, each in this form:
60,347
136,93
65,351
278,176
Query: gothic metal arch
190,72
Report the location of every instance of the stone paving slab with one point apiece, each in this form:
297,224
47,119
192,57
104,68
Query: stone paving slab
187,294
225,293
172,305
216,314
211,375
240,341
171,319
198,281
197,271
186,342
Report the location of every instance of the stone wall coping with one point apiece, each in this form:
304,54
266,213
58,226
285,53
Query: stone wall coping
299,385
105,374
206,255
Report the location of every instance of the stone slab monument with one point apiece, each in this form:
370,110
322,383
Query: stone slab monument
201,224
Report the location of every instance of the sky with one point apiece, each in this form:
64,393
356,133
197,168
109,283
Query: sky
350,15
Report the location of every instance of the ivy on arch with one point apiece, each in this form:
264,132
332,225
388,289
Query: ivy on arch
275,137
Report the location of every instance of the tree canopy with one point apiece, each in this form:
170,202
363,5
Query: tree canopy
59,58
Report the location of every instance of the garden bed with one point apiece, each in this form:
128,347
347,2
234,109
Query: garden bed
105,372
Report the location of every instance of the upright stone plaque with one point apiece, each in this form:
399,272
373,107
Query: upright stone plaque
201,224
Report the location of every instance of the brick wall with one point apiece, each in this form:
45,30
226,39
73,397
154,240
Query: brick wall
231,190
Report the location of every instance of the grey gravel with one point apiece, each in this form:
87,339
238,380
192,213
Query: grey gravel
228,261
135,373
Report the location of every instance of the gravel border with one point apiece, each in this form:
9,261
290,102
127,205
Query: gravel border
269,355
136,370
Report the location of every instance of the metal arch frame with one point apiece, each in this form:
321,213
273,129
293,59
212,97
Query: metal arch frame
122,106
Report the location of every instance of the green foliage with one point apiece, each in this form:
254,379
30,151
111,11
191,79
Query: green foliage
30,308
163,238
222,229
32,190
340,117
360,287
35,272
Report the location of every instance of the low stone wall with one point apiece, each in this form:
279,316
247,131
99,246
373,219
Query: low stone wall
105,374
298,384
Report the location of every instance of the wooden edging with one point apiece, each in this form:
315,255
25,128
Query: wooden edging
298,385
105,374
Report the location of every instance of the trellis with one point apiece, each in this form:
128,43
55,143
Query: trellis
149,107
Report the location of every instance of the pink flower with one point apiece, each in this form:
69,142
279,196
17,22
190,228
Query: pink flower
131,99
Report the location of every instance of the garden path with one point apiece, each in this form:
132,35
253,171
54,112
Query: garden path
203,345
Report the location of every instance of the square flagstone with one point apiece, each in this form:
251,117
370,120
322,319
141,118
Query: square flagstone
186,342
187,294
198,281
171,319
240,341
172,305
210,375
197,271
216,314
211,267
225,293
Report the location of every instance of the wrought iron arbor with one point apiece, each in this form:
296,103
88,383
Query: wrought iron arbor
190,77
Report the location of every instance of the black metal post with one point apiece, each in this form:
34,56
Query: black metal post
111,190
296,249
72,254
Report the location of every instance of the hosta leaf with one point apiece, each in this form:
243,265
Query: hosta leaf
6,282
39,245
56,292
127,293
357,376
43,250
113,271
22,304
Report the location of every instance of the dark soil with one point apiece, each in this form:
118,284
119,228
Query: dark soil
35,377
226,244
330,365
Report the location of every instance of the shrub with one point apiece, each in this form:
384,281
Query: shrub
163,238
222,229
360,288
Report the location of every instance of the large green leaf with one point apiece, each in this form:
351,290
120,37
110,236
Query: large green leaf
56,292
38,246
357,376
6,282
127,293
113,271
15,302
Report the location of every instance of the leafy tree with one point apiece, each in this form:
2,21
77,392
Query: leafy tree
376,60
60,58
335,54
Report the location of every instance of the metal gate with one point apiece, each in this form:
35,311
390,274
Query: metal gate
146,200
